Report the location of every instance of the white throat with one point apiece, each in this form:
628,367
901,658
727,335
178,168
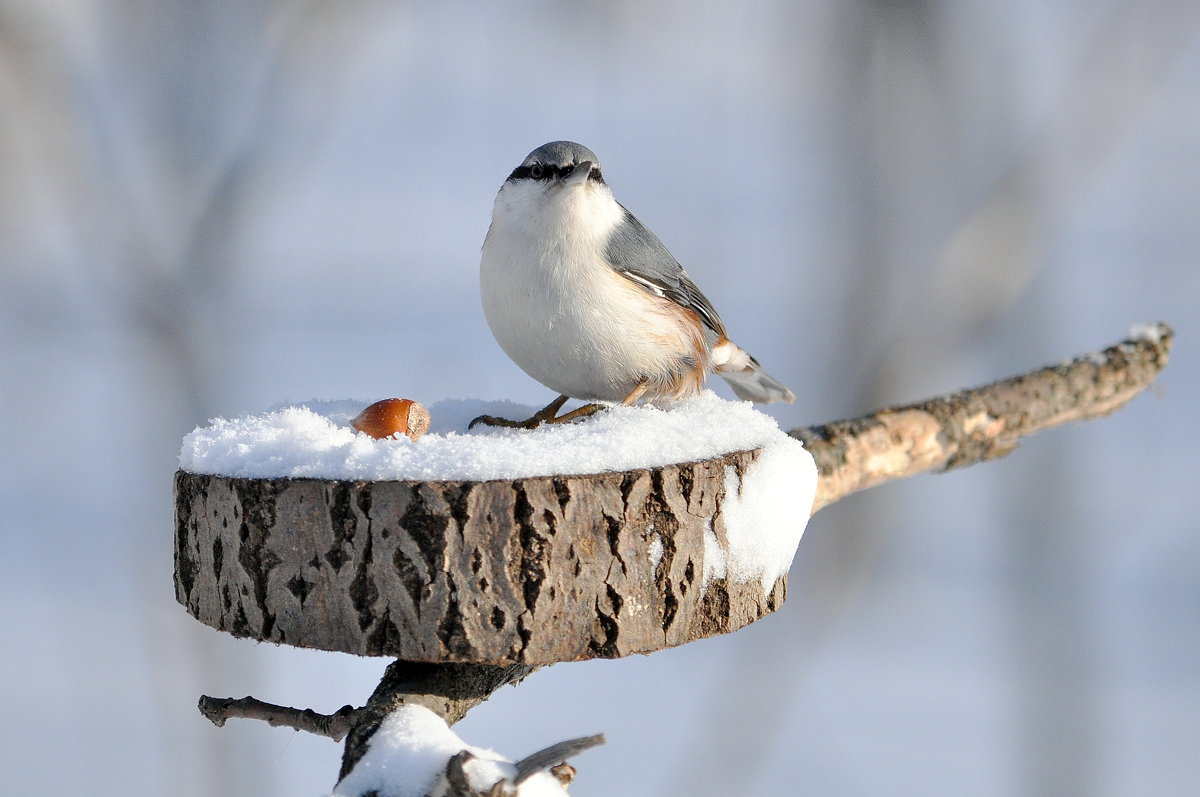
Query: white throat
577,216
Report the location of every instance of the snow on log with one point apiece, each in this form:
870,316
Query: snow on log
530,570
291,527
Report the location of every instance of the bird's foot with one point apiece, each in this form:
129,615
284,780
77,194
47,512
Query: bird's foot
586,411
548,414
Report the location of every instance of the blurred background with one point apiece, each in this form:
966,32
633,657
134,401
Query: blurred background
209,208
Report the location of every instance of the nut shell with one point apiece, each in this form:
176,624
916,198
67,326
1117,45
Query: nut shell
393,417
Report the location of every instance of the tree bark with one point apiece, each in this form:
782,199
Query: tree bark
973,426
533,571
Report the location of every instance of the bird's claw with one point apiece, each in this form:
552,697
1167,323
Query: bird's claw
548,414
492,420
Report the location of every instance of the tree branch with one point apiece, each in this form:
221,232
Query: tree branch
973,426
449,690
952,431
335,725
554,754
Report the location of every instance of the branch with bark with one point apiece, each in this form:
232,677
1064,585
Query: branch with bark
448,690
952,431
336,725
973,426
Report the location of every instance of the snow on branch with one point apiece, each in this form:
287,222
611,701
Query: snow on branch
413,753
983,423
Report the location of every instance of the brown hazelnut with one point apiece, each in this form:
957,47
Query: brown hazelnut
393,417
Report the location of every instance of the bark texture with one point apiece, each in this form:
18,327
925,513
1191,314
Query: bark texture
984,423
525,572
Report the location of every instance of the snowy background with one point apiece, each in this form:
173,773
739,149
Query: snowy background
209,208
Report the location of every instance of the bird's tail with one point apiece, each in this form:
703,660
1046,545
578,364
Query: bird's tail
747,378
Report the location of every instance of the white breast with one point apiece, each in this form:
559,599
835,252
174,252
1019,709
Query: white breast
556,307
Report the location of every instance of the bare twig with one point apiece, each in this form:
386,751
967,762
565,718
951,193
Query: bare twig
454,781
335,725
976,425
554,754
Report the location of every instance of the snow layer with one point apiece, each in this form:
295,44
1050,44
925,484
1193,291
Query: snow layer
1150,332
314,440
409,753
765,511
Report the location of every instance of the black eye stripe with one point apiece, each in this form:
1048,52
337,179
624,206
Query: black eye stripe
550,172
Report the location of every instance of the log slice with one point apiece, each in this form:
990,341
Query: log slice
529,571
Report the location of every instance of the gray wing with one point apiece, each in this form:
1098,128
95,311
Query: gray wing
637,254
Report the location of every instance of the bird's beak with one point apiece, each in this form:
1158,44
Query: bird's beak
580,174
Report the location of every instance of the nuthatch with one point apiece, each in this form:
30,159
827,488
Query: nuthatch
587,301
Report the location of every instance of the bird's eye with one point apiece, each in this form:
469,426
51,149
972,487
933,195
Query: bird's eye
536,171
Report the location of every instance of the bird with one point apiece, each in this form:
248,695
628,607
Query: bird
586,300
